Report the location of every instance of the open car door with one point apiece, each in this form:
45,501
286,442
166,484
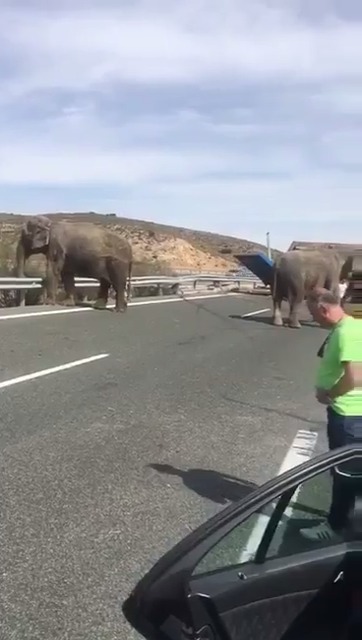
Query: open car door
253,573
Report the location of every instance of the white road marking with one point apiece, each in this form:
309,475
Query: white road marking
301,450
46,372
140,303
32,314
255,313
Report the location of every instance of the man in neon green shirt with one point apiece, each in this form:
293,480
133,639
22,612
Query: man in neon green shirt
339,387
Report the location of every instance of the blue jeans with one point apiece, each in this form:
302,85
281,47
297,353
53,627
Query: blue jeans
341,431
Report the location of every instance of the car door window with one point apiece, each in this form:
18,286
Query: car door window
308,506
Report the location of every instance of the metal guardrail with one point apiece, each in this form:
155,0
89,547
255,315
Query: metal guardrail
139,281
28,284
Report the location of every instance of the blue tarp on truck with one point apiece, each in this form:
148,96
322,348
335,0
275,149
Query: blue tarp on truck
259,264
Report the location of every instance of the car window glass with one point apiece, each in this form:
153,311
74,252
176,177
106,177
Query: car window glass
309,506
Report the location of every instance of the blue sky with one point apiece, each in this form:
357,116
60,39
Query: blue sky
240,116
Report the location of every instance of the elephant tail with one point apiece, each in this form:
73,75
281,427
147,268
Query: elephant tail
274,283
129,283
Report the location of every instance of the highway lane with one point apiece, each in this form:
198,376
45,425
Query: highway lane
37,342
87,505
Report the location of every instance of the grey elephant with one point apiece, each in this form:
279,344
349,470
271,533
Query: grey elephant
78,249
296,272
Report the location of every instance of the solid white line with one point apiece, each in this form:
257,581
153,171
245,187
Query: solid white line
46,372
32,314
301,450
141,303
304,445
255,313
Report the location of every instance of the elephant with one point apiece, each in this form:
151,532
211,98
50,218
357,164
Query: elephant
297,271
78,249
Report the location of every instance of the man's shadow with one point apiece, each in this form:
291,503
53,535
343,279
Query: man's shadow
218,487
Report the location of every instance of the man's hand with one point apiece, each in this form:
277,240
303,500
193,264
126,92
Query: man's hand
351,379
322,396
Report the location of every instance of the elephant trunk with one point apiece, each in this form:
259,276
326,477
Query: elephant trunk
129,285
21,256
274,281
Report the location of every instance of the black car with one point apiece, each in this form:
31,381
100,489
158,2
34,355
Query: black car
254,571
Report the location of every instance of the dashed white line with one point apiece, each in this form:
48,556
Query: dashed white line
301,450
46,372
140,303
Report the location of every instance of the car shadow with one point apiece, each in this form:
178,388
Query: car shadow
218,487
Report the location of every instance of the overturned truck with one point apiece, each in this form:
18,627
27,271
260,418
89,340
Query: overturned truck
353,297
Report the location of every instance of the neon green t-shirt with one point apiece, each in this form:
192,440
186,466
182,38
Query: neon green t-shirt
344,345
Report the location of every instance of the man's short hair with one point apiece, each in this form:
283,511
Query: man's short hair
319,296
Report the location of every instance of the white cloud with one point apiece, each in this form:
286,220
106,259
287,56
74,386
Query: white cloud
78,146
194,109
340,98
28,166
308,198
173,42
343,148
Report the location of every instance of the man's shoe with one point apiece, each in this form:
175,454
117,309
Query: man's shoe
323,532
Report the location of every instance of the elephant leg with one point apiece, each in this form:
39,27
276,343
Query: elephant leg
335,290
51,284
102,296
48,292
53,277
69,287
118,276
121,302
295,305
277,312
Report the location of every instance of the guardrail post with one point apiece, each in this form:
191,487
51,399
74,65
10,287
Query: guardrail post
20,298
195,283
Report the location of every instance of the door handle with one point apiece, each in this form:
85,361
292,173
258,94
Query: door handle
339,577
241,575
205,633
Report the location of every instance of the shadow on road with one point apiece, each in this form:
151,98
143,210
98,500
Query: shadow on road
267,320
259,319
90,305
288,414
218,487
200,307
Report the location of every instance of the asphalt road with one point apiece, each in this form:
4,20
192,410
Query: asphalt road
106,465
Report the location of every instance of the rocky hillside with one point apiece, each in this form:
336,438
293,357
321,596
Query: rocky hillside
157,248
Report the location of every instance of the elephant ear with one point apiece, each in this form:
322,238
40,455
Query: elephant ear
38,232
